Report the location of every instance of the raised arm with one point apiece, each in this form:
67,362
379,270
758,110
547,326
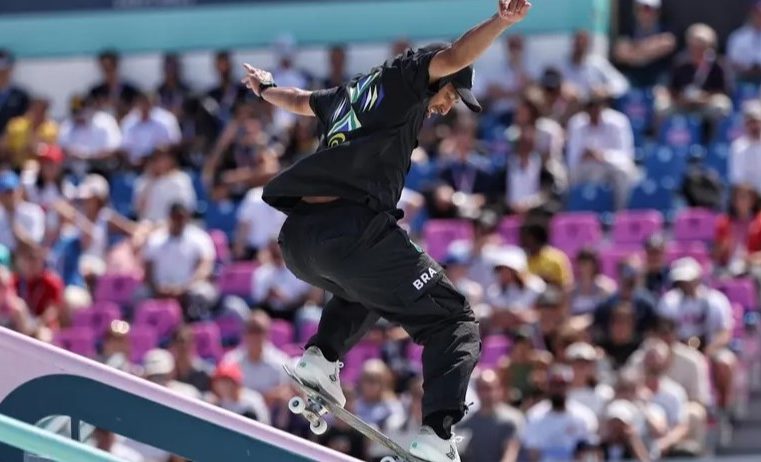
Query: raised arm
291,99
464,51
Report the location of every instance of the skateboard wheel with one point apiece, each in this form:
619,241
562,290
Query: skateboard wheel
297,405
388,459
320,428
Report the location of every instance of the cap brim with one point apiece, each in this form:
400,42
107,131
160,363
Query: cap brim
469,99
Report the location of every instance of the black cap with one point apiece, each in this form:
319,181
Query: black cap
463,82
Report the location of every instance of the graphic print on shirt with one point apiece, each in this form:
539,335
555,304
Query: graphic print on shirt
344,119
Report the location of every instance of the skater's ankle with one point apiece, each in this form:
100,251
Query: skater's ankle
441,423
327,352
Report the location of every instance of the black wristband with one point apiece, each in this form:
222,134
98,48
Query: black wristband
266,86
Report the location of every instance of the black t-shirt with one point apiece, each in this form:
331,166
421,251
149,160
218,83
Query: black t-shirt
369,128
713,78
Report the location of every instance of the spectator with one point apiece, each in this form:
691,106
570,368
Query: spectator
89,137
260,361
107,441
561,100
115,351
552,318
302,141
555,426
258,224
644,56
589,73
13,100
457,265
25,132
229,393
656,269
601,148
274,286
620,339
630,291
547,262
20,221
743,163
159,368
179,260
161,185
503,87
190,368
242,157
485,241
730,250
650,419
286,74
521,369
586,388
147,128
172,93
705,321
592,287
699,82
413,413
550,136
742,48
667,394
14,314
515,292
228,92
531,183
376,402
337,72
113,94
619,439
46,184
40,288
493,430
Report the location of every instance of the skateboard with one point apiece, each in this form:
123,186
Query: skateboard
315,404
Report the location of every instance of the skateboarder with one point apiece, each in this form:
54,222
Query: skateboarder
341,232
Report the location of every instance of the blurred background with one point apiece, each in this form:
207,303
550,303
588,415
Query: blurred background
601,215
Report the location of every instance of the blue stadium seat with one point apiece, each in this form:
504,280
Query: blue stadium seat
590,197
652,195
665,165
679,131
744,91
717,159
730,128
638,105
202,198
222,216
122,189
420,175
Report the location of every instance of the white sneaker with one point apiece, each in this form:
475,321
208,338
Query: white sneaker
317,371
428,446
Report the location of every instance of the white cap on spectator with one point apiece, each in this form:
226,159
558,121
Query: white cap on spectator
650,3
685,270
621,410
93,186
582,351
158,362
752,110
76,298
510,257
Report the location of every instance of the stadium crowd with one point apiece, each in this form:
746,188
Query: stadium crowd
601,216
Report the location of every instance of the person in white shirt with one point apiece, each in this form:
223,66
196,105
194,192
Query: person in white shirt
745,154
704,317
587,72
260,361
513,294
179,260
274,286
601,148
258,224
744,47
88,136
585,388
556,426
19,220
146,128
550,136
287,75
161,185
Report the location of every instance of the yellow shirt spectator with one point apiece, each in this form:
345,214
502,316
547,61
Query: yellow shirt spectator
24,133
552,265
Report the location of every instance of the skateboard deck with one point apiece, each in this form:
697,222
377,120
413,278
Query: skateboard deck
315,396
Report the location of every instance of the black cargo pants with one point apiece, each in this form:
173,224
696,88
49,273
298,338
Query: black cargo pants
373,270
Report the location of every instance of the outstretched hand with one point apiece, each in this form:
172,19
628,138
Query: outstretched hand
255,78
513,11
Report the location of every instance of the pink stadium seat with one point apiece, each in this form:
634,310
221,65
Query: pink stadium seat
117,288
281,332
495,347
79,340
741,291
509,229
738,316
415,354
164,315
208,341
610,258
695,225
142,339
635,226
438,234
307,330
236,279
221,245
98,317
293,350
231,329
694,249
572,231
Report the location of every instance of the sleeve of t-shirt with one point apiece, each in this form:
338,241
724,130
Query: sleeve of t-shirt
206,246
322,101
409,71
720,316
